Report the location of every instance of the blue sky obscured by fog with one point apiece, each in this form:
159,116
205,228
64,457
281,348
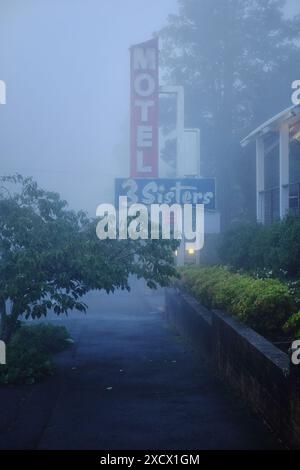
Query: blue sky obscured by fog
66,67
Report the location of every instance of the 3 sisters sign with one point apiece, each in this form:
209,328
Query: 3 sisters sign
167,191
144,184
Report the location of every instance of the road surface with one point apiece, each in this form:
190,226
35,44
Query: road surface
129,382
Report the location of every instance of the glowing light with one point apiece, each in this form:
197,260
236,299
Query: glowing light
191,251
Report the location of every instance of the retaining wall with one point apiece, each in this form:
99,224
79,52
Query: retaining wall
257,370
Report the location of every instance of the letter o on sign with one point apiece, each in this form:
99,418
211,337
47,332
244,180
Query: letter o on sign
144,84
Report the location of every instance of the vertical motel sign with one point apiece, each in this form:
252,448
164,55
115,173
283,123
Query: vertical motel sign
144,109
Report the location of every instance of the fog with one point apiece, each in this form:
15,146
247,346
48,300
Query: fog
66,67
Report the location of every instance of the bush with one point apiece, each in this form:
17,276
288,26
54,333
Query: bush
263,304
254,247
29,353
237,246
292,325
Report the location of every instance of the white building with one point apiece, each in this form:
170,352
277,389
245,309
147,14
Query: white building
277,165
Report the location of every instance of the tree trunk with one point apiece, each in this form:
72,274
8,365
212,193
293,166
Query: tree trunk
8,322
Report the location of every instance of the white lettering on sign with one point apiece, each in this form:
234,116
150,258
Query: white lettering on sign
141,168
156,192
144,109
144,85
144,136
144,59
144,105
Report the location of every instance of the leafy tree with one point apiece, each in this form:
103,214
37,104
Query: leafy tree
50,256
267,250
236,60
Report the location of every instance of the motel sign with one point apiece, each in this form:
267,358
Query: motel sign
144,109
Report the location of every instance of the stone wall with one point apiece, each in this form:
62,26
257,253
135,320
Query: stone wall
257,371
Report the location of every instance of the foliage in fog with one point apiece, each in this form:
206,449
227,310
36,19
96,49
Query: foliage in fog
272,250
237,60
50,256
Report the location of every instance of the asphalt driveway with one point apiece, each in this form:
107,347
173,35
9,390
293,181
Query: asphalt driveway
128,382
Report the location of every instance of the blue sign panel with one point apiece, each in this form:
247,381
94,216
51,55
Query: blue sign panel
167,191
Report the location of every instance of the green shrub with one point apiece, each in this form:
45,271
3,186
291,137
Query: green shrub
239,247
292,325
29,353
263,304
254,247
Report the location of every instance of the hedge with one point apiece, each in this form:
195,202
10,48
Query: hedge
255,247
266,305
29,353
